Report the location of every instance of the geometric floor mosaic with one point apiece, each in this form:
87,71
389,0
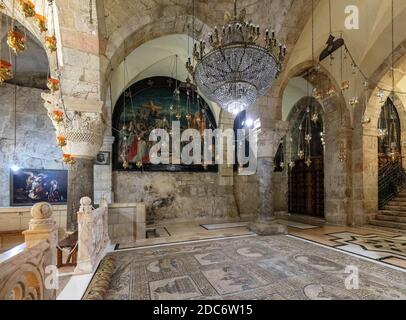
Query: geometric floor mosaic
385,247
280,267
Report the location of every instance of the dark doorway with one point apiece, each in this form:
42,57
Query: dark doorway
306,180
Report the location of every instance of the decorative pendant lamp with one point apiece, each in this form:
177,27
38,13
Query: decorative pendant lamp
236,70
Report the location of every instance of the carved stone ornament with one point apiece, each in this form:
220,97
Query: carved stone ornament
41,217
83,131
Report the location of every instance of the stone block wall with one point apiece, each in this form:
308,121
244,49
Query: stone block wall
36,145
176,196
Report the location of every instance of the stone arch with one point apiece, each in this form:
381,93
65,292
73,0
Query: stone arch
291,144
31,27
293,119
366,139
25,284
338,142
121,47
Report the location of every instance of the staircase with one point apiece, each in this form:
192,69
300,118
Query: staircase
393,214
392,197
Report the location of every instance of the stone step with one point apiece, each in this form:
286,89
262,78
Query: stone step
396,202
383,217
396,208
388,224
392,213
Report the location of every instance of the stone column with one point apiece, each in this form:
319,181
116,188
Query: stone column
43,227
265,167
82,127
268,143
80,184
103,187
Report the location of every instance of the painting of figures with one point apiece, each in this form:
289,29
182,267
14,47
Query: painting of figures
150,104
30,186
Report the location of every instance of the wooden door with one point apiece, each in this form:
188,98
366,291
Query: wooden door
306,188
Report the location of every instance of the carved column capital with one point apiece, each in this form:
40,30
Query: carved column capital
81,125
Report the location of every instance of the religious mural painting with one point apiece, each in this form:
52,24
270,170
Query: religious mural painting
30,186
150,104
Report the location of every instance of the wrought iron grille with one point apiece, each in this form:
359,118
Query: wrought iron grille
392,178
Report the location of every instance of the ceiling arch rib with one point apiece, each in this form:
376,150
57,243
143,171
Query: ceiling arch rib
154,58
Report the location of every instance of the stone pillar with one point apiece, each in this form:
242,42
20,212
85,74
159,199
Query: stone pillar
268,143
103,187
43,227
226,174
93,238
82,127
265,167
80,184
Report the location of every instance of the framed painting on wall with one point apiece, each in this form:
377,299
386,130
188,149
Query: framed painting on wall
102,158
154,103
30,186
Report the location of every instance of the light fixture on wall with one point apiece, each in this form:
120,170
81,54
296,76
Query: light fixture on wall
236,70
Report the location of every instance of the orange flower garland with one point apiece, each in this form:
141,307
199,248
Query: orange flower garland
53,84
28,8
16,41
68,159
57,116
61,141
5,71
41,22
50,42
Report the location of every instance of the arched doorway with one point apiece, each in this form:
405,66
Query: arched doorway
391,174
389,133
306,168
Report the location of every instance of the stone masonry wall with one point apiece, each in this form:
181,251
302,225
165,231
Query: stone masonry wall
36,146
179,196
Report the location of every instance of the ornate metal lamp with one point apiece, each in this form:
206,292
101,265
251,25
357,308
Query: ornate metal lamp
237,69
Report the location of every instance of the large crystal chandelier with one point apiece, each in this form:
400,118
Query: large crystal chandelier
237,69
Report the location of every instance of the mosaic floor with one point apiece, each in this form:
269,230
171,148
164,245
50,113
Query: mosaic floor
379,245
187,231
382,246
251,267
